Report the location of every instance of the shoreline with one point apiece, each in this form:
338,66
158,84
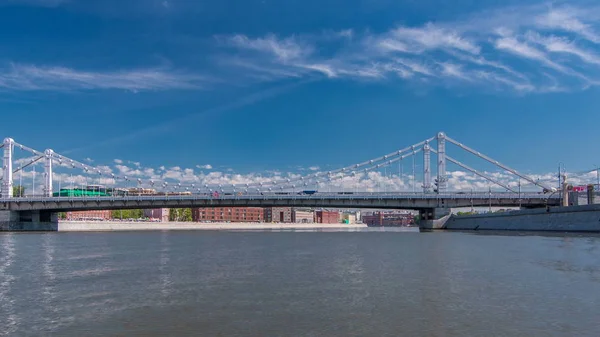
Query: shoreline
98,226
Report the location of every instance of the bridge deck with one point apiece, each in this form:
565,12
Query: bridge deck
318,200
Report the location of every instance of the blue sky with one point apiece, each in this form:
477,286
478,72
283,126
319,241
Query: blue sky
260,86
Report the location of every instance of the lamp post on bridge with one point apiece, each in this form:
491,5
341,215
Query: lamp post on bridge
519,193
490,197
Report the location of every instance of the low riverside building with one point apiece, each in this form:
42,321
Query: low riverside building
389,218
157,214
348,218
89,215
327,216
278,214
231,214
303,216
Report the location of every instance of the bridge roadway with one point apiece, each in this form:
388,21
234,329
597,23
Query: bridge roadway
395,200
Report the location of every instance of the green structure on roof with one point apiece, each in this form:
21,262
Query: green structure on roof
77,192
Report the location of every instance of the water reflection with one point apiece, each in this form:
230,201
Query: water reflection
163,266
8,315
297,284
49,281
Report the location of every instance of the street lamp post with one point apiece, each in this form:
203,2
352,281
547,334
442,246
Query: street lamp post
519,192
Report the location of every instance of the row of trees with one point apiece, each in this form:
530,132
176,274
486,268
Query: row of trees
175,214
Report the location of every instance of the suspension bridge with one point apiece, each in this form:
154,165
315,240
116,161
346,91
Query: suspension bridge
433,201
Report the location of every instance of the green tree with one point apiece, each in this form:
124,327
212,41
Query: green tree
127,214
180,214
18,191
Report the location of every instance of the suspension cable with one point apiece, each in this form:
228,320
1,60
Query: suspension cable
481,174
495,162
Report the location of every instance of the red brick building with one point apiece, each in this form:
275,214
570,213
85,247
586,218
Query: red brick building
327,217
278,214
89,215
389,219
157,214
233,214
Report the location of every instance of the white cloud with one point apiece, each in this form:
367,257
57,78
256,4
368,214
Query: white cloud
182,178
454,70
563,45
286,49
512,45
486,50
35,78
432,37
566,18
205,167
118,161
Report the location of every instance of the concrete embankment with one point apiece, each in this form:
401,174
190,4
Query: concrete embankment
93,226
563,219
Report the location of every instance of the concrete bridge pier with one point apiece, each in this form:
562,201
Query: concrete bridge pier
433,218
28,221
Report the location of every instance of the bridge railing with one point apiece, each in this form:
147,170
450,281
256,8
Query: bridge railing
323,195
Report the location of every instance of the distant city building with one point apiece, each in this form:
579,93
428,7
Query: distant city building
278,214
157,214
141,191
232,214
327,217
174,193
303,216
89,215
391,219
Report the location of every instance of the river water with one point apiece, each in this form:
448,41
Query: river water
365,283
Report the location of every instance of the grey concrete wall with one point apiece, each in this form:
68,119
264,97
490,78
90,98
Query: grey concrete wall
11,221
78,226
565,219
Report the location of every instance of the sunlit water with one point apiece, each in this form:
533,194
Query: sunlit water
376,283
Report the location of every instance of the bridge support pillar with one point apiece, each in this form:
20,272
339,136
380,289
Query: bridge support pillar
28,221
7,168
441,181
433,218
48,173
426,168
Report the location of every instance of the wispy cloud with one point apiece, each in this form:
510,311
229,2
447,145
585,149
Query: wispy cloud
285,50
32,78
512,49
522,49
569,19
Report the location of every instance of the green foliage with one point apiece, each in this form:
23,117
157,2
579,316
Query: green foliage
62,215
127,214
18,191
465,213
180,214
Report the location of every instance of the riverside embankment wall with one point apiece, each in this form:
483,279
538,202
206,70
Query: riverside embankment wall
94,226
584,218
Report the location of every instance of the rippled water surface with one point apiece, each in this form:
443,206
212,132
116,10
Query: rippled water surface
375,283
